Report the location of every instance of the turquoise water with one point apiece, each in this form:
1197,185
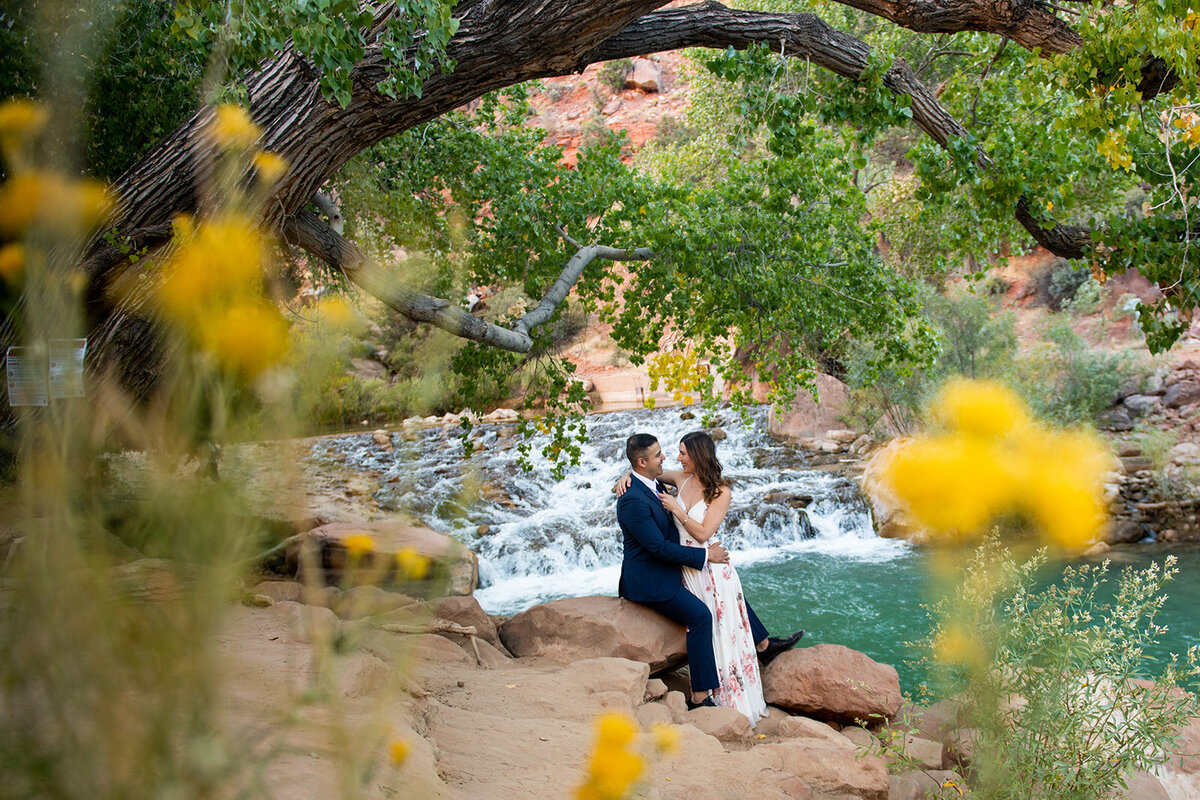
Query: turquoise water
875,606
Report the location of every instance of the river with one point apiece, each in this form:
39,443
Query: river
819,567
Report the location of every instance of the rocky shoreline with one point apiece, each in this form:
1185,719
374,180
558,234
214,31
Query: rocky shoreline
504,707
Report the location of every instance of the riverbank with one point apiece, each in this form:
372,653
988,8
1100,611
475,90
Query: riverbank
456,716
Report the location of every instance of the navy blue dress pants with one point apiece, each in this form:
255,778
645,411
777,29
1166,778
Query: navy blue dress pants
688,610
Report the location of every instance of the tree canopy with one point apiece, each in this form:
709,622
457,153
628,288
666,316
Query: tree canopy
956,130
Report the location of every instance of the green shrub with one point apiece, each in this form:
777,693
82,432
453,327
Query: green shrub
1087,298
613,73
975,344
671,132
1059,283
594,132
1054,680
1066,381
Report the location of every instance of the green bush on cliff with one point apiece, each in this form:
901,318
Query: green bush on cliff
1055,681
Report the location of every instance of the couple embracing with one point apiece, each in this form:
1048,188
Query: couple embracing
671,564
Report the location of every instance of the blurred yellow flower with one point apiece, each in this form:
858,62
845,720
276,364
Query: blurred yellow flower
951,484
20,121
616,730
270,167
337,312
218,262
358,544
399,750
246,338
21,117
233,128
613,767
980,408
666,738
412,565
212,289
50,201
993,460
955,646
12,262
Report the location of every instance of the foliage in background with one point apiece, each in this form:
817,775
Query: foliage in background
613,73
1062,377
1056,683
763,257
1068,381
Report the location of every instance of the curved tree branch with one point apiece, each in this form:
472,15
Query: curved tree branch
306,230
807,36
571,272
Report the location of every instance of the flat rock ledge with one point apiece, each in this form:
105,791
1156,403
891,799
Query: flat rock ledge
455,569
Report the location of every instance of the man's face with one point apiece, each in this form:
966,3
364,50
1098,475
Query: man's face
654,460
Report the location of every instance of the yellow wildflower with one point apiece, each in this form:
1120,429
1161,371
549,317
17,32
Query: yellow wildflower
979,408
666,738
993,460
950,484
399,750
219,261
270,167
12,262
955,646
21,118
413,566
233,128
336,312
613,767
20,121
246,338
49,200
358,544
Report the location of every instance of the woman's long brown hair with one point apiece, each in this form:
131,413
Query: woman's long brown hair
703,452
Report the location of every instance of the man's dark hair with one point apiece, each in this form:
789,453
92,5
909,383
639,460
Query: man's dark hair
637,445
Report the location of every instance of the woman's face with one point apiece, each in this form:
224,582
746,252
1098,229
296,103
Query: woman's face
685,461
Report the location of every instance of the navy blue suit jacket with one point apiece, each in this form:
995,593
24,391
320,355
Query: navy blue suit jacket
652,552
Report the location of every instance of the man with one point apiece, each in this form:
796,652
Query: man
650,569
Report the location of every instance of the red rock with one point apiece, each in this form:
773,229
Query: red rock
806,418
831,769
467,611
830,681
578,628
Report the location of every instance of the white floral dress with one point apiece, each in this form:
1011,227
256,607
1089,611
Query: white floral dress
720,588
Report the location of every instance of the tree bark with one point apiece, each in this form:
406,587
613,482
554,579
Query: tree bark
499,43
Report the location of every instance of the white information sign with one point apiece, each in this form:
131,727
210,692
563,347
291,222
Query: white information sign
26,368
66,367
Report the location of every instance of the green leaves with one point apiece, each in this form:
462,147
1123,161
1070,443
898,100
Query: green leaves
333,34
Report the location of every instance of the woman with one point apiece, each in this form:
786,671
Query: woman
703,502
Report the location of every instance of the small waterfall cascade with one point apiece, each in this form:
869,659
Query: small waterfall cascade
548,538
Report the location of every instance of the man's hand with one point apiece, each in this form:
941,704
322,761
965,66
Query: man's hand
717,554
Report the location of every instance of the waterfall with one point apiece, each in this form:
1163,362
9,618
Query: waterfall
550,538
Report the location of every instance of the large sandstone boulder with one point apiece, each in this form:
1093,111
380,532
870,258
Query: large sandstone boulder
455,569
467,611
645,76
891,520
830,681
806,418
578,628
